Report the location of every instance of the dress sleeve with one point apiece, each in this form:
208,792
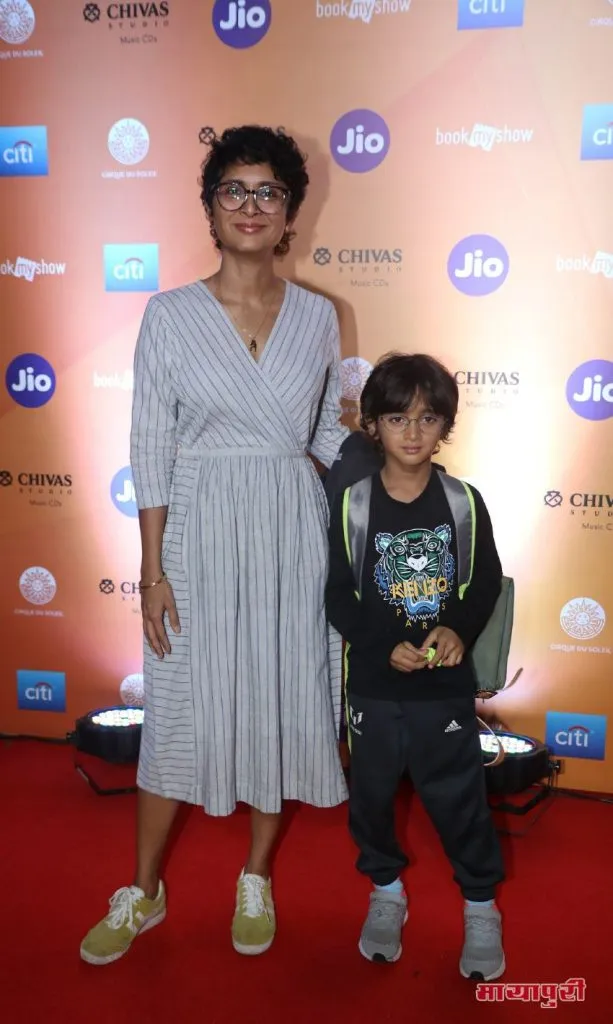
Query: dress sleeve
154,411
330,433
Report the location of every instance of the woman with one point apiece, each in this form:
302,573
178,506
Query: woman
235,378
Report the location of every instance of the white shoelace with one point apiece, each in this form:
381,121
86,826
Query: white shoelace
252,896
122,908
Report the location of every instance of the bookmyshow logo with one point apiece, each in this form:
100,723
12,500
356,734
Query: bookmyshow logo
591,510
28,270
487,389
484,136
375,267
361,10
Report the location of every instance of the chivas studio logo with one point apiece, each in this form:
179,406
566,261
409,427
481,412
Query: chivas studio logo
39,489
125,591
591,510
127,17
361,268
487,389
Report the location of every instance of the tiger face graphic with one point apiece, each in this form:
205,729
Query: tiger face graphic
415,571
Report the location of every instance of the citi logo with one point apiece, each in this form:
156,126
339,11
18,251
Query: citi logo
359,141
573,735
589,390
597,132
241,23
23,152
476,14
41,691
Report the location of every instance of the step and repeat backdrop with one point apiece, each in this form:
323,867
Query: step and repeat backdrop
460,154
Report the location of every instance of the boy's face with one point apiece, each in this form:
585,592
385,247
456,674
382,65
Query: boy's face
410,437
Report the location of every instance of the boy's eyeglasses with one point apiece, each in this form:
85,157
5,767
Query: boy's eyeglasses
232,196
427,423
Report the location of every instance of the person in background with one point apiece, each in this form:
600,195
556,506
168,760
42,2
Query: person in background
410,688
236,381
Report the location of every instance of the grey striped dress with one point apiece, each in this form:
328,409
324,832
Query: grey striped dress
247,705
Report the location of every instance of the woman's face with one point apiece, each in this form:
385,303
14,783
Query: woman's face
257,224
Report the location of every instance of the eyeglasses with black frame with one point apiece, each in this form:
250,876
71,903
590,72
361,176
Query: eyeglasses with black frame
232,196
397,423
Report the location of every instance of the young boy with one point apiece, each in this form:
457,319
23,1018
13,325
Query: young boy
410,688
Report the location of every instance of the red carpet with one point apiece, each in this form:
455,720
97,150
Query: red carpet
65,850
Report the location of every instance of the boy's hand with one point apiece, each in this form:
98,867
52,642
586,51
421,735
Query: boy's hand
406,658
449,647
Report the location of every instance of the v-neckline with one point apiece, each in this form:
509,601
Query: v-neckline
234,330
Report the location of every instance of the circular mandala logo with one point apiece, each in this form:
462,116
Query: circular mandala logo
37,585
30,380
17,21
359,141
131,690
582,618
553,499
128,141
241,23
354,374
478,265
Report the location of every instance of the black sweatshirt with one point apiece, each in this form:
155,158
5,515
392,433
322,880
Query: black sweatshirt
409,586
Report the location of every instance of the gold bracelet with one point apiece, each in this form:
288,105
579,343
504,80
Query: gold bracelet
147,586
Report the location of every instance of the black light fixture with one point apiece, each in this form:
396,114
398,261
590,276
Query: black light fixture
521,772
112,735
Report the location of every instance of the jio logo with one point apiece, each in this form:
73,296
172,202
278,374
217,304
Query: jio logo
478,265
30,380
123,493
589,390
360,141
241,23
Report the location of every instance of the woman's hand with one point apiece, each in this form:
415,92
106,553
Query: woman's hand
155,603
449,647
406,658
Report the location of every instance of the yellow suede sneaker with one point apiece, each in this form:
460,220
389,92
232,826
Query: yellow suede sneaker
254,925
130,913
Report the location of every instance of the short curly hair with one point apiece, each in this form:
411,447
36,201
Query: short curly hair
398,380
254,144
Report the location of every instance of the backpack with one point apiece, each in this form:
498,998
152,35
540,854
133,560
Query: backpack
489,654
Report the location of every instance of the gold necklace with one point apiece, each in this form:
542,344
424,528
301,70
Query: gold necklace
251,336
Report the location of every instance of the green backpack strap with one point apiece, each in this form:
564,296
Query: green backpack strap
356,513
462,505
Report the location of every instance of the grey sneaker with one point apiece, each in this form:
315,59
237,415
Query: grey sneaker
483,956
380,938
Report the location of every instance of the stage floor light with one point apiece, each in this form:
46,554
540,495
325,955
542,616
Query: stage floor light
525,773
112,735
